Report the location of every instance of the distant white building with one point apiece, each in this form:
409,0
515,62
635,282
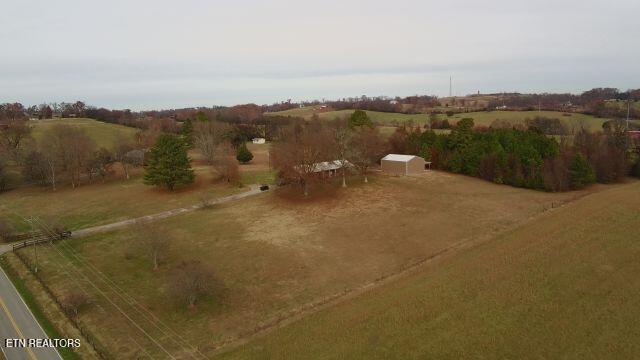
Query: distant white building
258,140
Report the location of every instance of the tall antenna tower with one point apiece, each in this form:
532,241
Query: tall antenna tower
450,94
628,111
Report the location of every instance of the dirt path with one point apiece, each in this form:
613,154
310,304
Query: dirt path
254,190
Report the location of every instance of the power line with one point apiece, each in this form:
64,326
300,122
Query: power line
74,280
147,315
113,303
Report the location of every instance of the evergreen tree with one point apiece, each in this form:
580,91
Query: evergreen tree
186,132
201,116
581,172
462,134
168,164
244,155
360,118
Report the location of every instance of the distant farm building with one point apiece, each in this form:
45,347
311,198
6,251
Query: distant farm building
402,164
258,140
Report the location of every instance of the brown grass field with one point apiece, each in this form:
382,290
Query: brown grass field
562,286
274,258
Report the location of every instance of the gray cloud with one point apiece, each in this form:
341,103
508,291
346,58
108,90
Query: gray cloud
158,54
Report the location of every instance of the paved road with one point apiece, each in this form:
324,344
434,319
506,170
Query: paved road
17,322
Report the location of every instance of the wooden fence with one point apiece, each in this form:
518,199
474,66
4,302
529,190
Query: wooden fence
27,239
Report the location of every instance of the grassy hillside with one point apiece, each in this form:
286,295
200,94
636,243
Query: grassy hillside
104,134
481,118
571,120
378,117
564,286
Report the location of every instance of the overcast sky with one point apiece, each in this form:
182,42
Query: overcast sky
144,54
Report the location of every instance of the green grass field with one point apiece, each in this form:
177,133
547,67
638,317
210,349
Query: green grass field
104,134
564,286
573,121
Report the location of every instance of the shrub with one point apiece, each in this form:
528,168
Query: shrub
359,118
244,155
581,172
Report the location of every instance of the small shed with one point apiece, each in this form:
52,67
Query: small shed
402,164
258,140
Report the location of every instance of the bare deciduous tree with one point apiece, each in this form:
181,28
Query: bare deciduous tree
367,145
13,136
122,147
207,136
68,147
340,141
190,281
225,163
74,301
153,239
298,151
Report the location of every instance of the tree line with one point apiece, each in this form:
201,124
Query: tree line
524,157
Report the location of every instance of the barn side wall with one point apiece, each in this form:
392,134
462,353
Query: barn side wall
415,166
393,167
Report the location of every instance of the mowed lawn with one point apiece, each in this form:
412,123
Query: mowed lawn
564,286
104,134
273,258
573,121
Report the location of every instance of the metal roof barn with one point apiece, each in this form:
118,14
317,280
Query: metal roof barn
397,164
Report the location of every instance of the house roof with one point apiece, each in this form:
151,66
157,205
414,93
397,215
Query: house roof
331,165
397,157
